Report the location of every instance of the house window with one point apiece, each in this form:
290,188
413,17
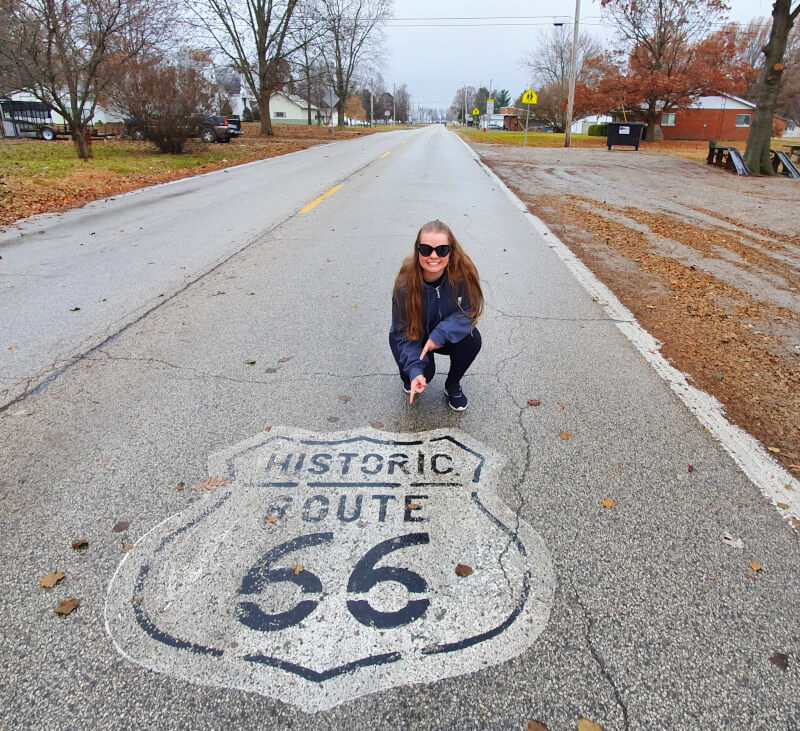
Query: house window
668,120
742,120
279,114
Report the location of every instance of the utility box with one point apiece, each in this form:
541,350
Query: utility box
625,133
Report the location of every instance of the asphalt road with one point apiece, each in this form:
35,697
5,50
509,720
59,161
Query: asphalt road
635,615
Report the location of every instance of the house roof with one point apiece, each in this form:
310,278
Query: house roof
302,103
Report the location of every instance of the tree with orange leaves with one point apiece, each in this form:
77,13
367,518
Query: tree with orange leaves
669,59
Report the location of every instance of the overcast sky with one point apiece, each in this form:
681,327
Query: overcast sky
438,46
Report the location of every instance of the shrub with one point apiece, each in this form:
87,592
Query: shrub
598,130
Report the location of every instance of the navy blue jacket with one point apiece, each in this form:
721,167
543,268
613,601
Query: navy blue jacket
444,320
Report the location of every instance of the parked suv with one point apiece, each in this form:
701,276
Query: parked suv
209,128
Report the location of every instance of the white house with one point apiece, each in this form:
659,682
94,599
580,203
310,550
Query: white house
792,129
581,126
289,109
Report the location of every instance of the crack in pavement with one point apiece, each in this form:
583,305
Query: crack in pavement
298,376
516,484
596,655
556,319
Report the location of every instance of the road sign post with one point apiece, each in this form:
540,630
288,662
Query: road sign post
528,98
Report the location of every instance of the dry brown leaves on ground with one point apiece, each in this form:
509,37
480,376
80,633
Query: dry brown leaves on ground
739,348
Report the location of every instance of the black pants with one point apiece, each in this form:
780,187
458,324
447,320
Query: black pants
461,356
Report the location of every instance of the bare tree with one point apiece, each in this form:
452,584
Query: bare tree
165,100
353,38
307,59
769,84
255,36
402,103
63,52
549,61
463,101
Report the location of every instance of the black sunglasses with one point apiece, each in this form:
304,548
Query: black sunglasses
427,250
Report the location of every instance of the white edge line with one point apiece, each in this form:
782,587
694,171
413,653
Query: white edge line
746,451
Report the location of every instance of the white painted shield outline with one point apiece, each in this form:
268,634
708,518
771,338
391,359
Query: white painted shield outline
228,467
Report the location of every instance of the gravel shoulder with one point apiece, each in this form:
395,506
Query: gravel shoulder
708,262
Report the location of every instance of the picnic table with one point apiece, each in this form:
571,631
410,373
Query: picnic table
794,151
728,157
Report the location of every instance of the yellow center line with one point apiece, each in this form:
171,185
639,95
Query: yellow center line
385,154
308,206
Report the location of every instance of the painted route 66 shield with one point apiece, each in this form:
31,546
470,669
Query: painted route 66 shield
334,565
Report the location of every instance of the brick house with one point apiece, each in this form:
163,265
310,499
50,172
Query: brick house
720,117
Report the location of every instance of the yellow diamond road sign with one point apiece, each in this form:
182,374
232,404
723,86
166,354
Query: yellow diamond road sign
529,97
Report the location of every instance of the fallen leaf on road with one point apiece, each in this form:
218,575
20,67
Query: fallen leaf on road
534,402
211,484
48,581
565,435
413,506
298,568
250,361
345,398
376,424
780,659
582,325
251,293
120,526
74,309
463,570
13,347
283,360
789,488
608,503
796,522
271,519
180,486
774,450
691,468
534,725
124,548
104,463
755,566
80,544
783,506
67,606
560,406
267,428
728,539
218,292
584,724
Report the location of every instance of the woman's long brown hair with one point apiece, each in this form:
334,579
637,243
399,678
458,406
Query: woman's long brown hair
409,290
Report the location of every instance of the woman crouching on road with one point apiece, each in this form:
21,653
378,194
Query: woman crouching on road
436,303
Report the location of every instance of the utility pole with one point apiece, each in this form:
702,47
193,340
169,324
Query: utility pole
394,111
572,73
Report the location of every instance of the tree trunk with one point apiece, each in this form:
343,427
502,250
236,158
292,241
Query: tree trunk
340,110
263,111
308,97
651,117
82,140
769,82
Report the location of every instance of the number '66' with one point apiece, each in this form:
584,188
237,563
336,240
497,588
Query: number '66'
363,577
